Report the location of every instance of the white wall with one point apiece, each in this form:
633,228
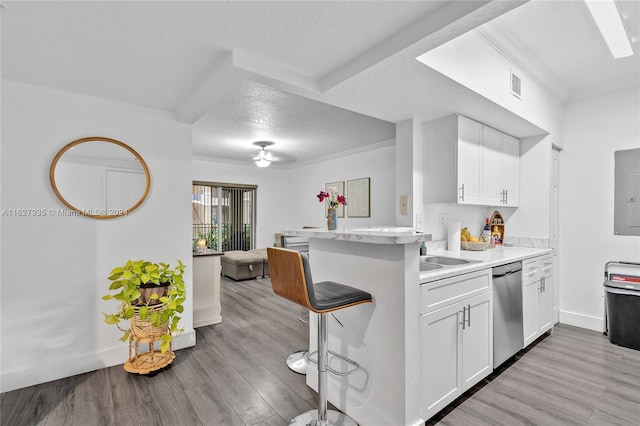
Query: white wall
476,64
307,181
273,205
594,129
532,218
471,217
54,268
287,196
410,172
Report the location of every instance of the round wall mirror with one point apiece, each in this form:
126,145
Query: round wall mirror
100,177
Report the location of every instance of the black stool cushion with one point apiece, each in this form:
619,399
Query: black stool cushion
331,296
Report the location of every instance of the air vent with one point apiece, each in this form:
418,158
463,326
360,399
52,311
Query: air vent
516,86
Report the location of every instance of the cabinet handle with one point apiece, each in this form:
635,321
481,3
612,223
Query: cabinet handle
506,196
544,284
540,288
464,316
469,315
461,192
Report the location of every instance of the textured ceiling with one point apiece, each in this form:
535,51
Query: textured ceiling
301,129
315,77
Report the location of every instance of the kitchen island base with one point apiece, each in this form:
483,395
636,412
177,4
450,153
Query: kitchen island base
382,337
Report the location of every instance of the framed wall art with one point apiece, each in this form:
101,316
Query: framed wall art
358,197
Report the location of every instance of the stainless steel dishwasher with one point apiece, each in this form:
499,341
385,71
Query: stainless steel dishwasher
508,335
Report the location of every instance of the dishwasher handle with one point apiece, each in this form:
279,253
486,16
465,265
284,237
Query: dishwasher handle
509,268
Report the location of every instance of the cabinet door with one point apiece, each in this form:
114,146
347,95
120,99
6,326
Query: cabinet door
530,291
440,356
492,187
510,171
469,161
477,340
545,297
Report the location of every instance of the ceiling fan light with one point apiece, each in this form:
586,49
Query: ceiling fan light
263,158
262,162
608,20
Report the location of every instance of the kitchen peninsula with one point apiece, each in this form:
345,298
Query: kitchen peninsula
382,336
387,338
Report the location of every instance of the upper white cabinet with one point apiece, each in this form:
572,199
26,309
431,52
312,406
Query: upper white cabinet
470,163
510,171
492,187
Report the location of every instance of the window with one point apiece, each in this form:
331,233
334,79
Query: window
225,215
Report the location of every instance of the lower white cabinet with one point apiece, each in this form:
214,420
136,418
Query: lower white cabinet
456,350
537,303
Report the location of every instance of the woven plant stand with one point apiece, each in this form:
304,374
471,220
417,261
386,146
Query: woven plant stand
144,332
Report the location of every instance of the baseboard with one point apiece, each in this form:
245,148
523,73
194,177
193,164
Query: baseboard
71,366
581,320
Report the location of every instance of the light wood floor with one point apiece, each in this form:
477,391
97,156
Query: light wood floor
236,376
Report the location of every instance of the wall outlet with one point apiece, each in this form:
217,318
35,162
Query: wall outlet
441,219
404,204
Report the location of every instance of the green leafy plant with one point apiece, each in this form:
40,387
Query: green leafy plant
153,292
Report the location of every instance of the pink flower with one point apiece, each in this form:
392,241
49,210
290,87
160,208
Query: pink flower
333,198
322,195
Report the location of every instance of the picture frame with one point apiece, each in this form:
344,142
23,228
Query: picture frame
339,186
359,197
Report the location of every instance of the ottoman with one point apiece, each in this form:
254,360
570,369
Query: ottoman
265,260
241,265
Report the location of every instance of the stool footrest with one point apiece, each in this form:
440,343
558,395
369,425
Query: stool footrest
355,365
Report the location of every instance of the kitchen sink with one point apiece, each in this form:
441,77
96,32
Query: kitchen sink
430,263
426,266
441,260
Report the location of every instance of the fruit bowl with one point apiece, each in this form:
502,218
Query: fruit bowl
473,245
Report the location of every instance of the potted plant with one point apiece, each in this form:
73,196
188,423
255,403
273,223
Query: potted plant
151,294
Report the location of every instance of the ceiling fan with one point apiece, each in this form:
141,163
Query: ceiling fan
263,158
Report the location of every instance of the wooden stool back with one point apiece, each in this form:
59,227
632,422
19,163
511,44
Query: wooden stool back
287,275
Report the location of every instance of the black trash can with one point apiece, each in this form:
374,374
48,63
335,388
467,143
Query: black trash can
623,313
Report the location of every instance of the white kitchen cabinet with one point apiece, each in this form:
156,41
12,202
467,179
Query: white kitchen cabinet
492,187
477,340
441,356
469,163
510,195
456,341
545,304
530,291
537,290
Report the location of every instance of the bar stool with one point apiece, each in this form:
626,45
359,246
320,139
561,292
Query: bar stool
297,361
291,279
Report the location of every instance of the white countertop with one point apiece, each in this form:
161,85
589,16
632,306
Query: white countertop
486,259
373,235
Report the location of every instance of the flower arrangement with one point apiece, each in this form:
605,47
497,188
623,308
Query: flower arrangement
332,198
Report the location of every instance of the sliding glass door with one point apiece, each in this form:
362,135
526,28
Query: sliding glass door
224,215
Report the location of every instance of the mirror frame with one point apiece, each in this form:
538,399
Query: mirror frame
70,145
